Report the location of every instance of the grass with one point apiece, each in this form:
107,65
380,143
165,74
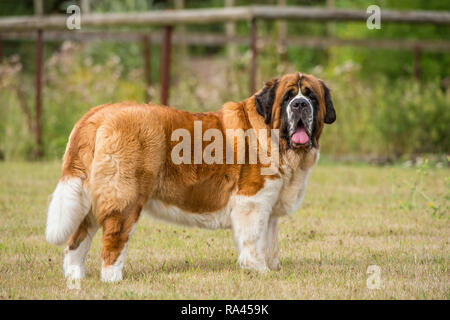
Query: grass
352,217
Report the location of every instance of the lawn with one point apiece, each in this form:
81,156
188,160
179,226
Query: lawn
353,216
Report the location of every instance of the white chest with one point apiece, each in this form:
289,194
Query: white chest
292,192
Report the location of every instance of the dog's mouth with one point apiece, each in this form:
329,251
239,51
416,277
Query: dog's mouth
300,136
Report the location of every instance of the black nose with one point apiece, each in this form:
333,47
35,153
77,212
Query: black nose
301,102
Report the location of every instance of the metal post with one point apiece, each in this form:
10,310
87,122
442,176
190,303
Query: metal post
146,43
39,61
253,45
165,64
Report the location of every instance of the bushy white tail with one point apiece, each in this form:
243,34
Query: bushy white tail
68,207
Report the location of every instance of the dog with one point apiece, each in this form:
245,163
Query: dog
125,159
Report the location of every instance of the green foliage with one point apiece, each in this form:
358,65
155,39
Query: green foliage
76,83
399,63
73,84
382,110
387,117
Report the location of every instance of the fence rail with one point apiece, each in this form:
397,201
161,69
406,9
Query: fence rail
332,14
42,28
219,15
216,40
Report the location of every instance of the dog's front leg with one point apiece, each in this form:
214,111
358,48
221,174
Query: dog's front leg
272,244
249,230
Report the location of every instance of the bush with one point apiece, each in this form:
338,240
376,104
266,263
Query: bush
377,118
72,85
387,118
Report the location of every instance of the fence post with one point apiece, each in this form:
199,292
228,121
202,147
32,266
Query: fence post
146,43
165,64
38,11
253,45
38,94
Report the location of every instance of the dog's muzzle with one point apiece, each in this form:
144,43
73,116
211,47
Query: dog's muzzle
300,119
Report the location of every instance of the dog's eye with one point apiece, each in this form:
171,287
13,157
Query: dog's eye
288,95
310,94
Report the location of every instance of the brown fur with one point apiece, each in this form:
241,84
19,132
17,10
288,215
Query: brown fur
79,235
123,154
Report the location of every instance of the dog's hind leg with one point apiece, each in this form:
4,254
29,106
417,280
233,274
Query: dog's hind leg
120,184
117,230
78,247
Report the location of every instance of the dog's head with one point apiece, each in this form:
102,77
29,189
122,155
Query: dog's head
298,105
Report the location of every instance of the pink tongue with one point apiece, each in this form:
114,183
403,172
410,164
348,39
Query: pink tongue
300,136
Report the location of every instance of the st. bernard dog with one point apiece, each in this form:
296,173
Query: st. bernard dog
118,164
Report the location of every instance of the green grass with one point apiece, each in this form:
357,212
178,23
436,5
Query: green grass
352,217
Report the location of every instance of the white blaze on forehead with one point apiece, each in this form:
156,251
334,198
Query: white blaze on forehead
308,122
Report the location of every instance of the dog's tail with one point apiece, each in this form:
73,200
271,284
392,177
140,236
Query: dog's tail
70,202
68,207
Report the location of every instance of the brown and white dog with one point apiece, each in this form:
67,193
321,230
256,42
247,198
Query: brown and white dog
119,164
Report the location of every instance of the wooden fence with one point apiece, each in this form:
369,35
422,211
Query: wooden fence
42,28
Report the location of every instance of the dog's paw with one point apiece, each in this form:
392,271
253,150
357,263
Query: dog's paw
111,274
74,272
249,263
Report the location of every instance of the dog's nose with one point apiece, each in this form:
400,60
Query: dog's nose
299,103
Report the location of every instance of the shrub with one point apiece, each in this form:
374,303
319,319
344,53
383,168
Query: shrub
377,118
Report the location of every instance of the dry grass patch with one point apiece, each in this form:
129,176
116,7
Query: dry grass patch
352,217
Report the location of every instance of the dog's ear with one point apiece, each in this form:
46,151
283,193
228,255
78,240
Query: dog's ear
330,114
265,99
